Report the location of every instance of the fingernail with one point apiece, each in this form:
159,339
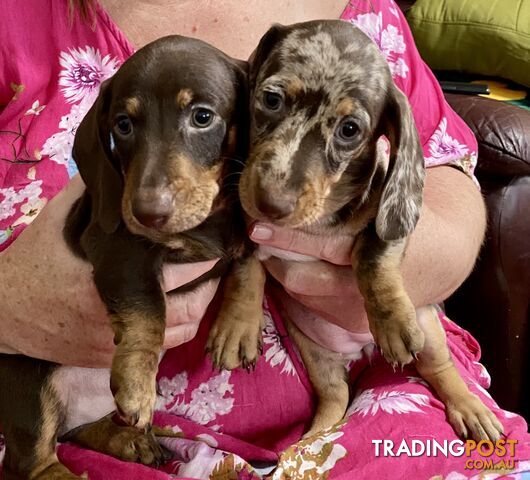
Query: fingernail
261,232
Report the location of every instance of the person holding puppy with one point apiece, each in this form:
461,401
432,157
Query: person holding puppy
52,60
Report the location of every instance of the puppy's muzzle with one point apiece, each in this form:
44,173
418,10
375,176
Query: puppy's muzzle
153,207
273,202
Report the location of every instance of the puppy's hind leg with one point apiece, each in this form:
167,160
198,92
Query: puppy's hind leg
328,375
31,413
465,411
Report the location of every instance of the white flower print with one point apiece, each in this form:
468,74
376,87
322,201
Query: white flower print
31,192
417,380
169,388
394,12
35,109
30,210
59,146
275,353
443,148
83,71
7,205
509,414
71,120
390,402
398,68
484,374
371,24
82,74
389,40
392,40
208,400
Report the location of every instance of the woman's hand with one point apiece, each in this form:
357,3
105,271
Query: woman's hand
327,287
440,255
50,308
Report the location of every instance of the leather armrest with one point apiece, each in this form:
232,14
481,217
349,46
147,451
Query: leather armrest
502,131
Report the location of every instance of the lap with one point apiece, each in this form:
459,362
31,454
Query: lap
239,421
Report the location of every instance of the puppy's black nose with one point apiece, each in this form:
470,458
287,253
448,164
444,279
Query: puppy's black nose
152,208
273,205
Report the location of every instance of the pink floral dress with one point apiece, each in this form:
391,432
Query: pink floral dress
238,425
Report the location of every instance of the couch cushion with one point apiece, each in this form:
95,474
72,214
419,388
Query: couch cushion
490,37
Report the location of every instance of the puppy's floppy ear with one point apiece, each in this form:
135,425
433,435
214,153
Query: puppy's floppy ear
262,51
92,153
400,204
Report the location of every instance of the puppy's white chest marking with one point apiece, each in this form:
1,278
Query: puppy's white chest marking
85,393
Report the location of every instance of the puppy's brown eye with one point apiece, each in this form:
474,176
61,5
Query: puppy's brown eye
202,117
348,130
272,100
123,125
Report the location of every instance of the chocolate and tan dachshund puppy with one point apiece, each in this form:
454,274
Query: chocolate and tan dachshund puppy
158,153
321,95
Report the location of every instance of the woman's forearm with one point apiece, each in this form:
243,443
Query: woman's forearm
49,305
445,244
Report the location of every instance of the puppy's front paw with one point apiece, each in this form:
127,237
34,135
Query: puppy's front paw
470,418
397,333
235,339
134,390
133,445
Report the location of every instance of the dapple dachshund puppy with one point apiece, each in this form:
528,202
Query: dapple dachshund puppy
155,154
321,95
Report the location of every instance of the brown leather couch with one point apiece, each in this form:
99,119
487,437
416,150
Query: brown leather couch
494,302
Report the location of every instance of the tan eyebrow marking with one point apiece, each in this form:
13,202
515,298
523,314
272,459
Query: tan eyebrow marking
345,107
132,106
294,87
184,97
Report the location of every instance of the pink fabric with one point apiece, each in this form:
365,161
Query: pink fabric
49,76
244,419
